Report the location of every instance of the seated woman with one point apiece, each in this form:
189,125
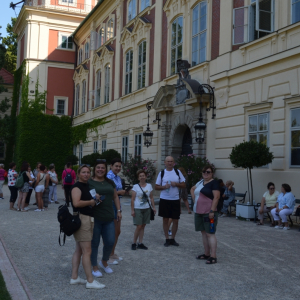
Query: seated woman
228,196
285,206
268,202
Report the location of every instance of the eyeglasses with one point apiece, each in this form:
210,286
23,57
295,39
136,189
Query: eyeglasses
271,188
206,172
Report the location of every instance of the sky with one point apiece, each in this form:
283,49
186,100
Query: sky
7,13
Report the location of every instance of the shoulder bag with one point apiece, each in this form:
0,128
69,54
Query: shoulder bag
152,212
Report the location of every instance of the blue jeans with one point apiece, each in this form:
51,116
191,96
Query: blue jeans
107,231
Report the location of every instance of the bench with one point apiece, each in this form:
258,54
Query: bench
233,202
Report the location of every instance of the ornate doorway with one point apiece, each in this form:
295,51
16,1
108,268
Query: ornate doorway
187,142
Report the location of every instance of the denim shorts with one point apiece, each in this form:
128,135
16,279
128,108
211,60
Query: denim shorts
115,209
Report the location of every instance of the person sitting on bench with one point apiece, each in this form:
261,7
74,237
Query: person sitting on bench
228,196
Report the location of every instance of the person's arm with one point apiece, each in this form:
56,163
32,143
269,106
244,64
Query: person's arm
54,181
214,204
121,192
289,202
37,179
193,192
262,204
47,180
76,195
28,175
117,204
152,202
162,187
133,194
180,185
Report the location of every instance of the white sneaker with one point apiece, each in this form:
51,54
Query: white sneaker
286,228
97,273
223,216
111,261
278,227
78,281
170,232
37,209
94,285
107,269
26,208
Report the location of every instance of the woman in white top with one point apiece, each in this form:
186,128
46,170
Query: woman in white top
53,184
141,195
40,187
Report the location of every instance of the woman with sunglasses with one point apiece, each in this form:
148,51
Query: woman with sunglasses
268,202
206,194
104,225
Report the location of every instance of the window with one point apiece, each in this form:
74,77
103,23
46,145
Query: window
74,150
67,1
98,88
86,50
101,37
60,107
176,45
142,65
131,10
253,22
95,150
144,4
295,137
259,128
295,11
103,146
107,83
2,149
128,72
79,56
83,96
138,145
66,41
124,148
199,34
80,153
77,95
110,29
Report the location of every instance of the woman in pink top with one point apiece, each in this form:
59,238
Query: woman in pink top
68,177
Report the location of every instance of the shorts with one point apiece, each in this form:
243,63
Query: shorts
85,232
25,188
142,216
202,222
39,189
169,209
1,185
115,209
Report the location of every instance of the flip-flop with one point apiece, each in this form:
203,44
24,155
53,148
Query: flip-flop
259,224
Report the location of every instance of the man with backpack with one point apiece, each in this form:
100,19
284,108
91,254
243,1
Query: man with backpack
68,177
169,181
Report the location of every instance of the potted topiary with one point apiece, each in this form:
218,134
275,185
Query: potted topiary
248,155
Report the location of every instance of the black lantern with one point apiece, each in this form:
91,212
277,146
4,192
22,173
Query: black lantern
148,134
200,127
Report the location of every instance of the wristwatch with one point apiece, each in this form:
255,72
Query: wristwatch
119,210
211,211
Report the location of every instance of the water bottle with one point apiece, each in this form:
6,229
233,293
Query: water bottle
167,190
212,225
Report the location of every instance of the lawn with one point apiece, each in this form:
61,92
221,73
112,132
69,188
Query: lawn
4,294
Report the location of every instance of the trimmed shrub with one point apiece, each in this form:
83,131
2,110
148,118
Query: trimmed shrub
109,155
73,159
90,159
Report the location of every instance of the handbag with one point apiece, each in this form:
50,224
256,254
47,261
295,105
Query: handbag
151,209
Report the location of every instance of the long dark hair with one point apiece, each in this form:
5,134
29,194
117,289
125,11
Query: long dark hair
24,167
102,162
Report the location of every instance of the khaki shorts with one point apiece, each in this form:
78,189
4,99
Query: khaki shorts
202,222
142,216
85,232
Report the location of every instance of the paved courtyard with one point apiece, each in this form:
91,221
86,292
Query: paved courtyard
254,262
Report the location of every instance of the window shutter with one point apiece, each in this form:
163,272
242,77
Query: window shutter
240,25
264,15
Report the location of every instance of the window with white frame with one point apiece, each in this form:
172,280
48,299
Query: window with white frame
60,106
259,128
124,148
2,149
68,1
295,11
295,137
142,65
110,29
199,30
107,84
138,144
95,150
131,10
77,95
65,41
98,88
103,146
79,56
83,98
253,22
101,37
80,153
75,150
86,50
144,4
176,43
128,72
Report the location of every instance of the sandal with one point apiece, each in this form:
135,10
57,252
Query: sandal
259,223
272,225
211,261
202,256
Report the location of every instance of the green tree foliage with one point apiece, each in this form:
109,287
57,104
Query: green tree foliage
73,159
109,155
90,159
248,155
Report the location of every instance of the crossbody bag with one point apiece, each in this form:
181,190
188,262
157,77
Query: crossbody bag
152,212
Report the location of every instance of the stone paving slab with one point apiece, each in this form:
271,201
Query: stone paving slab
254,262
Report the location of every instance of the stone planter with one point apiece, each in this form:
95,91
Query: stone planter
245,211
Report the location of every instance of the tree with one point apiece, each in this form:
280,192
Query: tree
248,155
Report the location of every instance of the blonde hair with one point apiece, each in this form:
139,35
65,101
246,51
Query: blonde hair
81,167
182,170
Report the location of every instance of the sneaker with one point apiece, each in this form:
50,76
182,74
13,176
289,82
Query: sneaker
107,269
94,285
223,216
97,273
78,281
116,257
142,246
37,209
167,243
111,261
173,242
278,227
286,228
170,232
26,208
133,247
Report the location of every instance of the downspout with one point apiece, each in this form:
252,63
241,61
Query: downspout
75,66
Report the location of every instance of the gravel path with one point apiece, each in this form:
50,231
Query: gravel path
254,262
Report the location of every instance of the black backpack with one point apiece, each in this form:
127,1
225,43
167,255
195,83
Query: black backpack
162,173
69,224
68,178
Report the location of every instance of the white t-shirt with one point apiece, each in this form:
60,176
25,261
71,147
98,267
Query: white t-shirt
138,201
173,193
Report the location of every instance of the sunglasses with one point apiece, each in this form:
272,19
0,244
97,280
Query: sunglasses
206,172
99,161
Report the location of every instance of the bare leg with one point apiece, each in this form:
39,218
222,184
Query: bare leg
40,200
166,227
86,260
141,235
174,228
212,241
20,200
117,233
76,261
170,222
137,233
205,243
23,200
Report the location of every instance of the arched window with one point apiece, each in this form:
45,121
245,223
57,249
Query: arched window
83,96
142,65
110,29
98,88
100,37
199,34
144,4
131,10
176,43
80,56
128,72
86,50
77,93
107,84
